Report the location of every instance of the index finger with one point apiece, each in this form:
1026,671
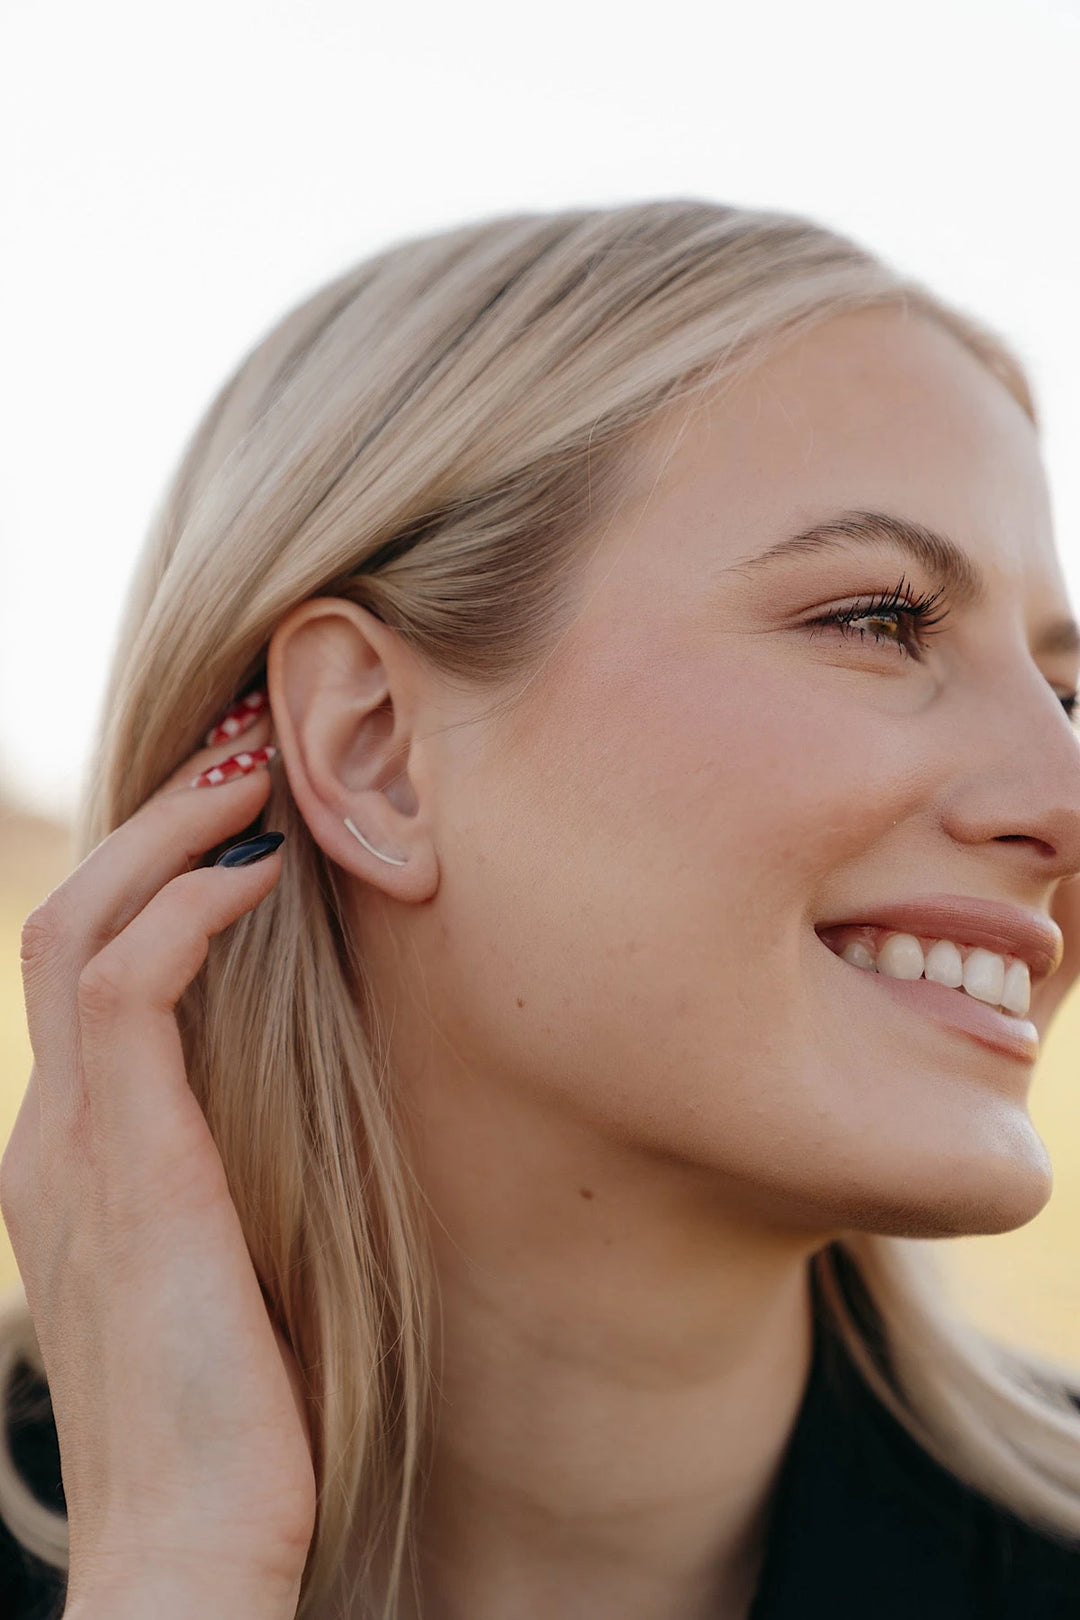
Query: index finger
166,836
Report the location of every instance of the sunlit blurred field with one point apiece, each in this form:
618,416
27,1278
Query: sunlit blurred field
1024,1286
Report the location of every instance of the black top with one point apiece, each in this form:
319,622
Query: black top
865,1524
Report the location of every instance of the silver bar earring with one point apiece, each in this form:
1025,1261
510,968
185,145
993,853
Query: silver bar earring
358,834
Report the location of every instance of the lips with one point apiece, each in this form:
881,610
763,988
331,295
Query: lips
1016,1038
967,920
1009,931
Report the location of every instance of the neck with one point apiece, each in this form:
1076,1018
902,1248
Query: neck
622,1360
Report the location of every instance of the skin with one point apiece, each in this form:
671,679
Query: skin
640,1091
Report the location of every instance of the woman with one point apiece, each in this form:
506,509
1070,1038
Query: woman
505,1197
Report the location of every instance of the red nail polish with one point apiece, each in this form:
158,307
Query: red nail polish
241,717
235,765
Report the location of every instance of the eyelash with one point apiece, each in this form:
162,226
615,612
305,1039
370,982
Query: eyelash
918,610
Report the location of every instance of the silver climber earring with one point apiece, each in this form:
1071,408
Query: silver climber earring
358,834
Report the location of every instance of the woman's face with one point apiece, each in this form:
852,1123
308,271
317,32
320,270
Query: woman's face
637,863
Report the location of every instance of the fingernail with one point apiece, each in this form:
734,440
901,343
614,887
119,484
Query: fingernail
250,850
241,717
235,765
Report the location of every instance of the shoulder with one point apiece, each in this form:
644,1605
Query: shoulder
1039,1570
31,1588
868,1523
953,1537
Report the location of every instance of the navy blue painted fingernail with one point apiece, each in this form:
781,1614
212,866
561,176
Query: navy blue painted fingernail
251,849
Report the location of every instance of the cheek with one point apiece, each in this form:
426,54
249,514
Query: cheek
662,810
663,830
734,784
623,938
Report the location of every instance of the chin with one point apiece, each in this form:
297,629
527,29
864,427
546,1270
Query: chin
996,1181
971,1200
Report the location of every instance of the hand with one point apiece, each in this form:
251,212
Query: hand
178,1408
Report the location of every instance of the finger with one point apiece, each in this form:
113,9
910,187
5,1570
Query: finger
166,836
237,720
132,1062
256,736
236,765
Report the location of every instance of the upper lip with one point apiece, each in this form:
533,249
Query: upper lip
967,920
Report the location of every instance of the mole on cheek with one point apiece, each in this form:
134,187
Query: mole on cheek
586,1192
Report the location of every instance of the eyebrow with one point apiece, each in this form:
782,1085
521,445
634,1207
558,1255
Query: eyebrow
948,564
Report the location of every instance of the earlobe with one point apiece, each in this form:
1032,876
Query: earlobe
343,691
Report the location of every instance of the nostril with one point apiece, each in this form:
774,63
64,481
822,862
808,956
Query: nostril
1024,838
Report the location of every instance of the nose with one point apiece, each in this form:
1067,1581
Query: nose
1018,781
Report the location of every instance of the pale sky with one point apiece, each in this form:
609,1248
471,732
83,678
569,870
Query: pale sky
176,177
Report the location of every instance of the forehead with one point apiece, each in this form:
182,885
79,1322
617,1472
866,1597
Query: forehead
880,409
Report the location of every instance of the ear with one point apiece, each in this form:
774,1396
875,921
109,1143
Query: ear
344,691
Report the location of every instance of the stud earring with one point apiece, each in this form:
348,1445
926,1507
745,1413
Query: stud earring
358,834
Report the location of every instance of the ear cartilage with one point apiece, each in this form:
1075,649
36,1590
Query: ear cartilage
393,860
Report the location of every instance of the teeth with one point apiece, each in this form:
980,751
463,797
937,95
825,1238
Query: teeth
944,964
984,976
901,957
997,980
1016,996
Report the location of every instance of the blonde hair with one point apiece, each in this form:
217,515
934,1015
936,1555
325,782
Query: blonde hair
433,435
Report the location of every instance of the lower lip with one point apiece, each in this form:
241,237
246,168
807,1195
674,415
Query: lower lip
955,1009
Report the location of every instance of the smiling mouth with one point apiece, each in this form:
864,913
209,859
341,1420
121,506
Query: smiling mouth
978,993
994,978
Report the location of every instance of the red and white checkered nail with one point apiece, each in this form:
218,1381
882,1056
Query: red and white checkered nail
241,717
235,765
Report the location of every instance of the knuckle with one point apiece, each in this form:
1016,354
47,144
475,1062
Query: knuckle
191,899
43,931
16,1189
10,1194
105,986
187,899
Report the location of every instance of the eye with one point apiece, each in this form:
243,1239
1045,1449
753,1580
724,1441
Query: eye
901,618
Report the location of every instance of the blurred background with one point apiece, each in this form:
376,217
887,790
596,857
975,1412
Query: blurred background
175,178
